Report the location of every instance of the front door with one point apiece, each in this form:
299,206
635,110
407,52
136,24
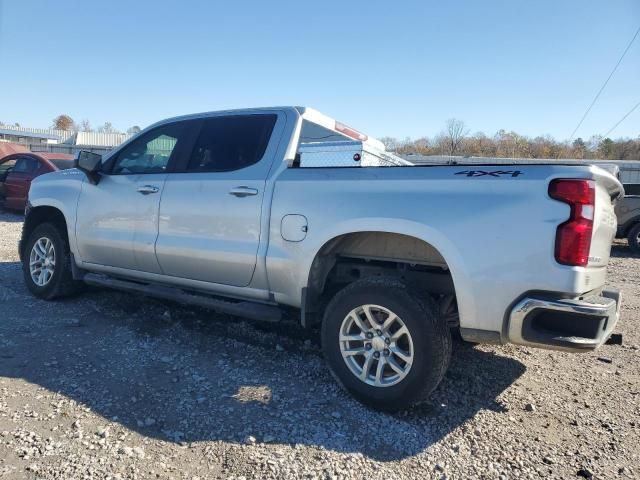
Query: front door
18,182
211,207
117,222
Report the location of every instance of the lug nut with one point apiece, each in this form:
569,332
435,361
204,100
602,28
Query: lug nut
369,335
376,354
379,333
386,352
367,346
387,341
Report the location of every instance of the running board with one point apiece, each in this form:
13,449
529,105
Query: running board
240,308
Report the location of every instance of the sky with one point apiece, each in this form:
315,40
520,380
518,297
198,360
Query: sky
386,68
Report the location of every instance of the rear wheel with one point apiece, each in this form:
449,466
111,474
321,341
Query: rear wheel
385,345
46,263
634,238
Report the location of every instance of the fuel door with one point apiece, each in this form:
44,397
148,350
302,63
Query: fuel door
293,228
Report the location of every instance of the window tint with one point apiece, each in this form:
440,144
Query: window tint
25,165
149,153
62,164
231,142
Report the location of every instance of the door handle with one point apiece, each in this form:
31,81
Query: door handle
147,189
243,191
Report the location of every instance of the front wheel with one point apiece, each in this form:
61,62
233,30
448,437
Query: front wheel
388,347
46,263
634,238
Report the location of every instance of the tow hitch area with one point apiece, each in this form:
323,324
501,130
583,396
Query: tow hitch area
614,339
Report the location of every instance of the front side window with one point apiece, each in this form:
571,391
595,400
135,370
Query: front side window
5,167
231,142
149,153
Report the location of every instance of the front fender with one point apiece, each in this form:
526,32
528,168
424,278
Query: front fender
59,190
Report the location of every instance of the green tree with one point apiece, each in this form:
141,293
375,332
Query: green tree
579,148
605,149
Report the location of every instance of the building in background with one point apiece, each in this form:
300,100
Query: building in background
61,141
97,139
19,136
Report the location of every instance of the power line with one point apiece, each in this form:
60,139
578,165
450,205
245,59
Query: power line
604,84
622,119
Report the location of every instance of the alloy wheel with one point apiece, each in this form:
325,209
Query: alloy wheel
376,345
42,261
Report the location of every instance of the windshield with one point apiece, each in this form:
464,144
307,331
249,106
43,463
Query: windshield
62,164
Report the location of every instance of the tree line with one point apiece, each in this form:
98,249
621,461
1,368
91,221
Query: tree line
455,139
66,123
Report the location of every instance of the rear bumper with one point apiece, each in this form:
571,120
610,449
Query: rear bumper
565,324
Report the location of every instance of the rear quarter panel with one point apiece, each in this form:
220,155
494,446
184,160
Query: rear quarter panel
497,234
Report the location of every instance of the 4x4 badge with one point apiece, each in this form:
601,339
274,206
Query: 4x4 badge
493,173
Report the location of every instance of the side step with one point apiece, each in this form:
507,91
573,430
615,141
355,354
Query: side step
253,310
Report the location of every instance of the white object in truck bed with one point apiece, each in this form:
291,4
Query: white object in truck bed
346,154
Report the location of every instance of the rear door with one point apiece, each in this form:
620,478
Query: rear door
211,208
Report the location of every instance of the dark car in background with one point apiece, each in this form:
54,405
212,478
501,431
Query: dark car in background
17,170
628,208
628,214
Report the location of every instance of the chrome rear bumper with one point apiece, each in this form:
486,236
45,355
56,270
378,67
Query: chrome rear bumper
565,324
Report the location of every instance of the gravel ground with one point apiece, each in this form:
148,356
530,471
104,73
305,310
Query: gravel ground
112,385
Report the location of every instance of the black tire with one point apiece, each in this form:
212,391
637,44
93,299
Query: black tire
61,283
430,335
634,238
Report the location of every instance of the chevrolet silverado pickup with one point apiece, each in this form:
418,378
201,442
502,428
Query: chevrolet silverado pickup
259,211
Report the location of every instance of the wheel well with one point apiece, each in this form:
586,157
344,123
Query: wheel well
353,256
45,214
630,225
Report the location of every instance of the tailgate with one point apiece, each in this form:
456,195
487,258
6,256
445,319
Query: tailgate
608,191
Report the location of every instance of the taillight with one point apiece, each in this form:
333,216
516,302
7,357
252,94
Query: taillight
350,132
573,237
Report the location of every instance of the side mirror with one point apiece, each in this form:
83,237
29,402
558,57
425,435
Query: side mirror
90,163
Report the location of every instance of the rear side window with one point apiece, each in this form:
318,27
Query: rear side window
25,165
231,142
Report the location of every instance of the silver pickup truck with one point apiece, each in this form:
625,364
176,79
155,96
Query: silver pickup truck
252,212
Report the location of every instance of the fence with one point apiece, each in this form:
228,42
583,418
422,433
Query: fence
63,135
107,140
66,148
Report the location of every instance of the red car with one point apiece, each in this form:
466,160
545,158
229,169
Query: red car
19,169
